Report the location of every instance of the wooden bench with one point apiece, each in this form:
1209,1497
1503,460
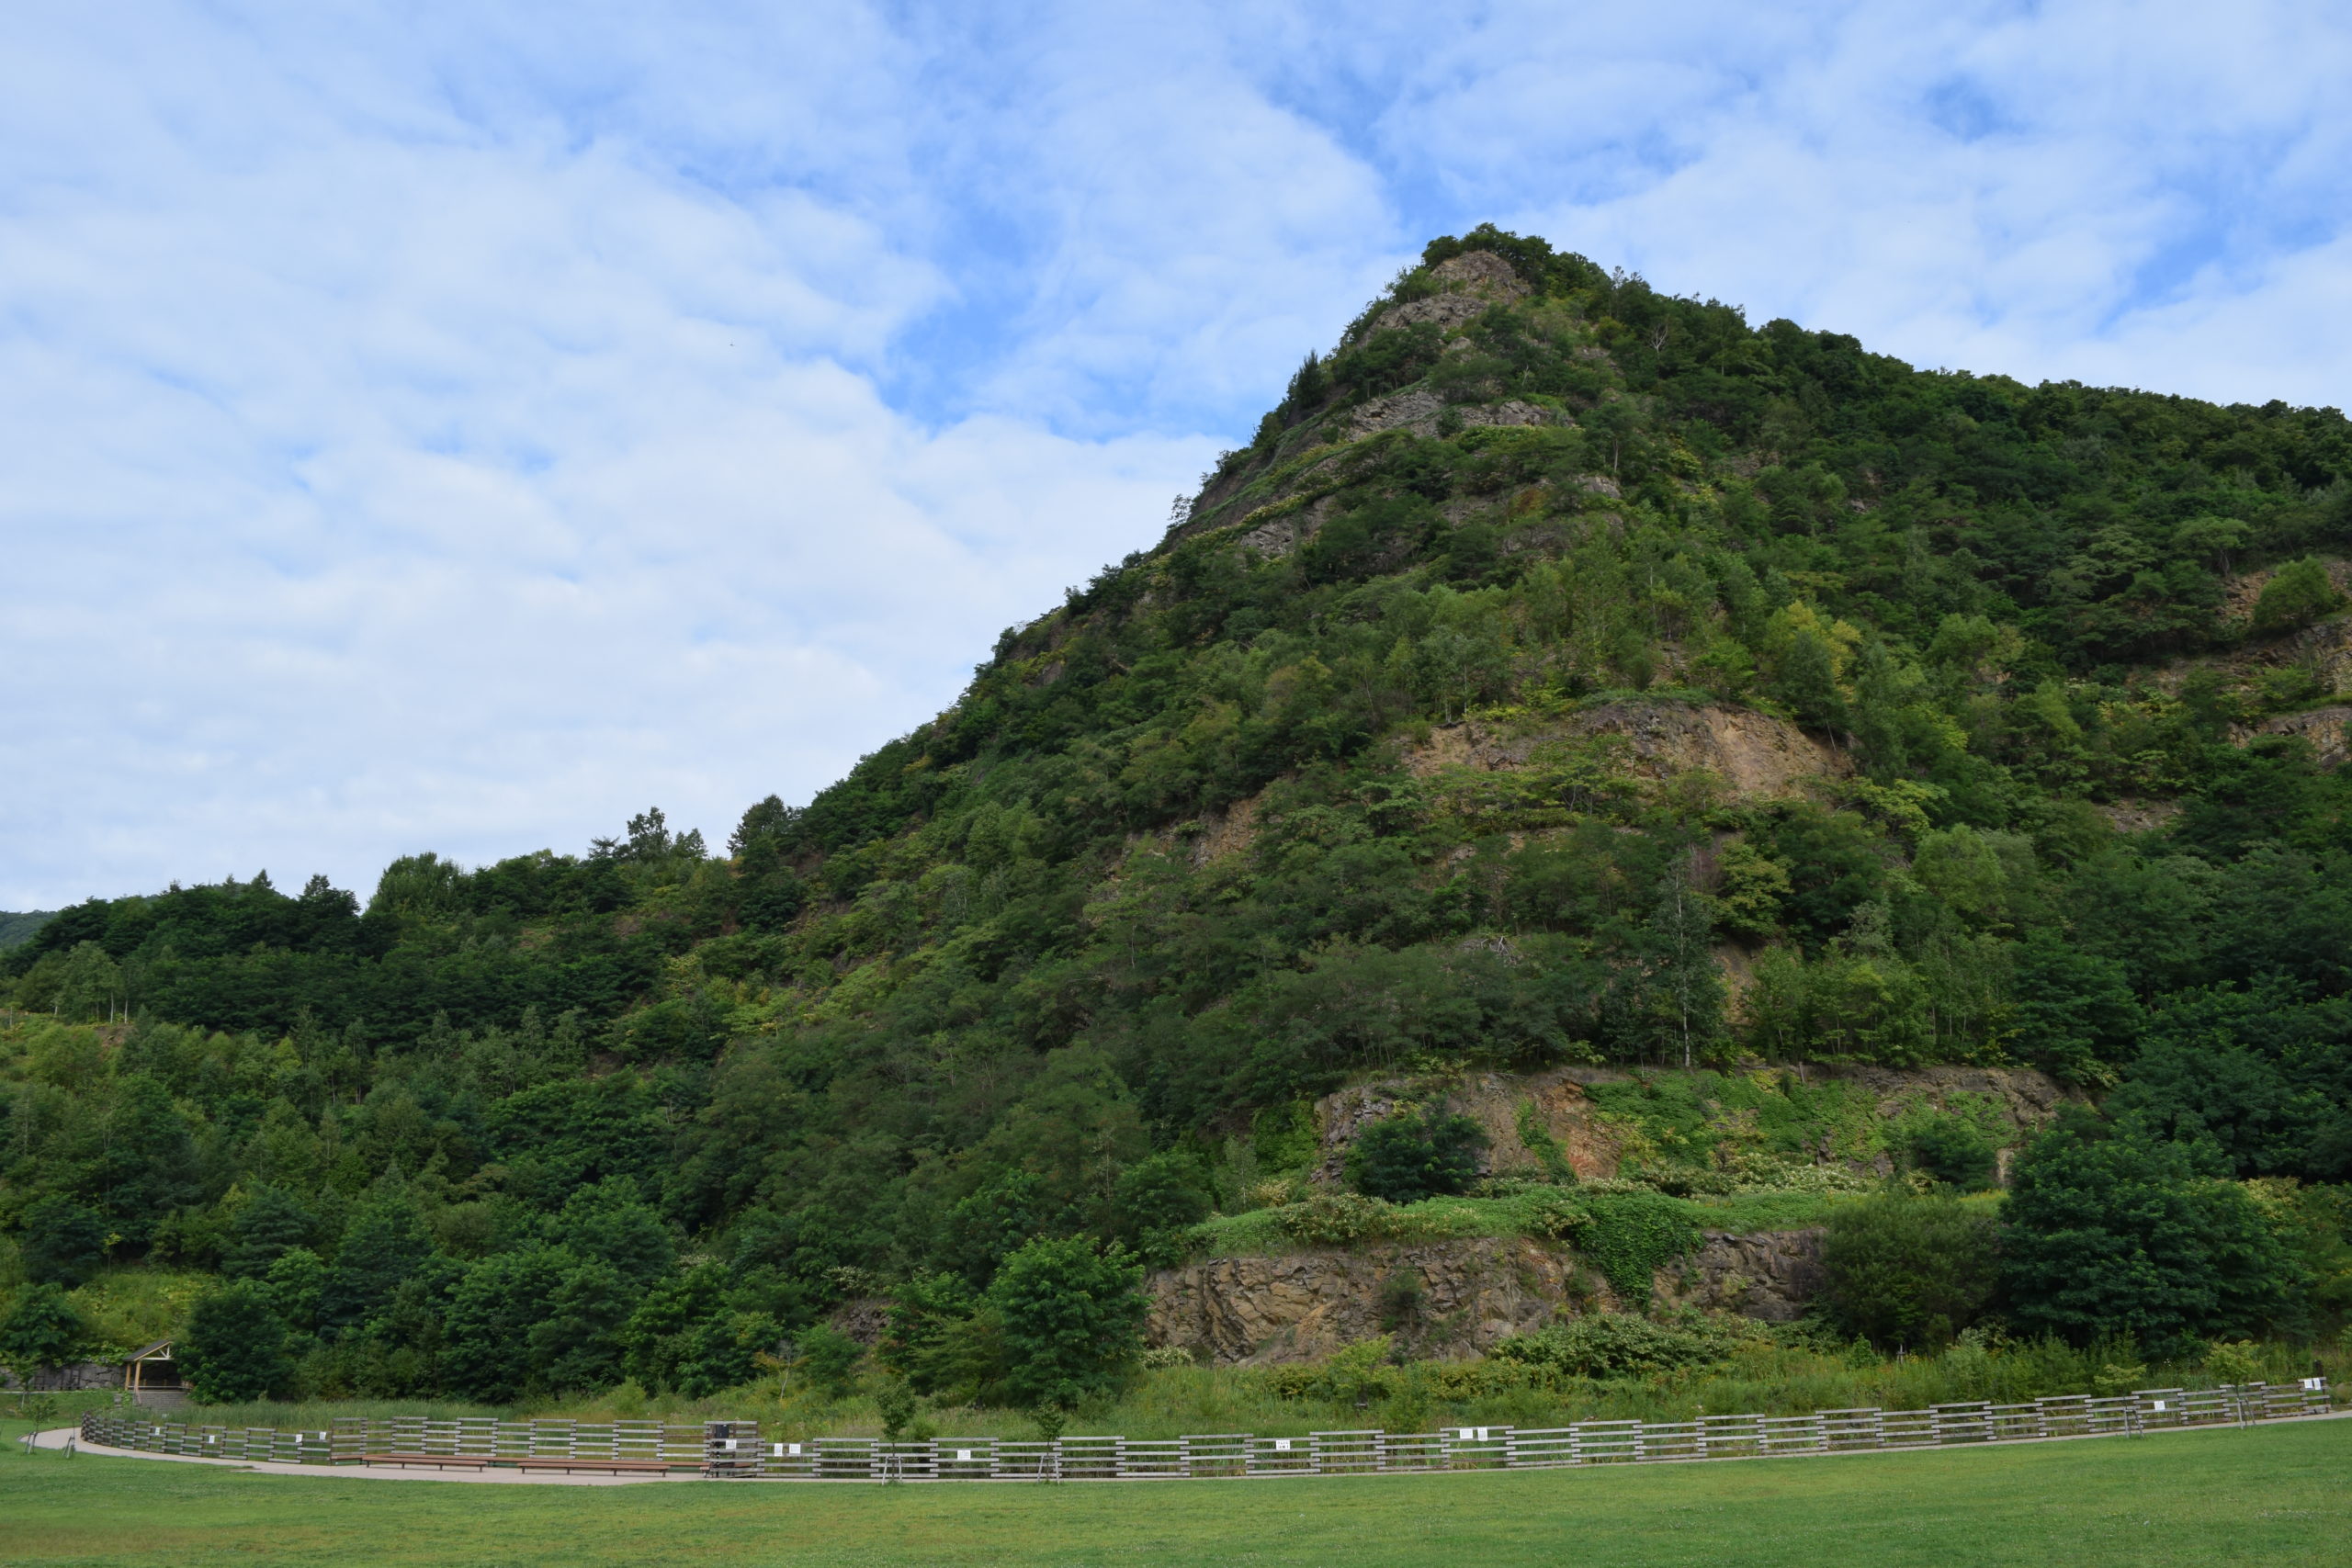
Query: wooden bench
607,1466
437,1461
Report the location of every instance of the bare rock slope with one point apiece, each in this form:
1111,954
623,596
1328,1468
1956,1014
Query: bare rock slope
1459,1298
1756,756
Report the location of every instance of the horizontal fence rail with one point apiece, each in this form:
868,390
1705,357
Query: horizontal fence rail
737,1450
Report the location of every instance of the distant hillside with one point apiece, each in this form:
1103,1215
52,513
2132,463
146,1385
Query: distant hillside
16,930
1566,673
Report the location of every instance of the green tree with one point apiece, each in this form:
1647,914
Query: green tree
1749,890
1908,1270
612,1224
690,1335
1414,1155
1681,991
89,986
384,1244
2109,1232
490,1319
295,1281
1951,1150
2296,594
64,1243
982,1229
2075,1013
830,1359
233,1349
40,1334
271,1224
1156,1201
148,1168
1073,1319
577,1346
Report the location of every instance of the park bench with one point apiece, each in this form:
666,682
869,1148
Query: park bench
437,1461
607,1466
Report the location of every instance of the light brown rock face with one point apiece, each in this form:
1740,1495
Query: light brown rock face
1467,285
1756,756
2326,650
1557,1101
1302,1306
2323,728
1418,411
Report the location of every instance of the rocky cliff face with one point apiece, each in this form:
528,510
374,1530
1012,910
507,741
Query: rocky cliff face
1449,1298
1770,1276
1753,755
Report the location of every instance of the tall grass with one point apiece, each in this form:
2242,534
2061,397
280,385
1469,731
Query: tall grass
1766,1379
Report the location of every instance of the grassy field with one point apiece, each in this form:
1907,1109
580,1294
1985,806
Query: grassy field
2273,1496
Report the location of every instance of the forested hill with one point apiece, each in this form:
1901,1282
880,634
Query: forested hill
17,929
1566,671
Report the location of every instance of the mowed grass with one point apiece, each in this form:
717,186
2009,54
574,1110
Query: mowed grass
2273,1496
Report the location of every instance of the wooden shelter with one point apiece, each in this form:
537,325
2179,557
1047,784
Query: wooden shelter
152,1376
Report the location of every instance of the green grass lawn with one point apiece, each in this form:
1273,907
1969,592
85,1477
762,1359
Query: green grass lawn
2273,1496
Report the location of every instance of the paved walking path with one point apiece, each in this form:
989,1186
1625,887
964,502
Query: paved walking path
56,1438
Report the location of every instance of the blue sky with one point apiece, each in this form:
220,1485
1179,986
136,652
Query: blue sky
459,426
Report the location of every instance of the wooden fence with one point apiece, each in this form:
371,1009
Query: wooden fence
736,1449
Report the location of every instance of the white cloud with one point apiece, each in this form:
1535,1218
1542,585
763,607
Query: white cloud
460,427
370,493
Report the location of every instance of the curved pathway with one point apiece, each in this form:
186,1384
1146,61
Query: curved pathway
57,1438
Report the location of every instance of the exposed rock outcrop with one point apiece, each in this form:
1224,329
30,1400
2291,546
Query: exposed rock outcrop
1449,1298
1302,1306
1767,1275
2140,815
1420,410
2326,649
1467,285
2323,728
1754,755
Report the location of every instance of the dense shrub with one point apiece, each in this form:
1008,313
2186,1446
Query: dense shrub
41,1332
1615,1344
1907,1270
1634,1234
2296,594
1952,1151
63,1241
1073,1319
2109,1233
1336,1219
1406,1157
233,1349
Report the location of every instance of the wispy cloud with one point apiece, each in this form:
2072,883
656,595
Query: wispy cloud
458,426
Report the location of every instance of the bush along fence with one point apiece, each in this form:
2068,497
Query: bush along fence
736,1449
